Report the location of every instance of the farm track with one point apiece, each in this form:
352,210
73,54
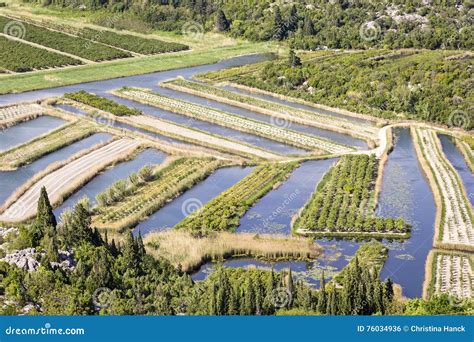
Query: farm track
236,122
201,137
65,179
454,222
10,115
276,110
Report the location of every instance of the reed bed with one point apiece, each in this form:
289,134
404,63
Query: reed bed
184,250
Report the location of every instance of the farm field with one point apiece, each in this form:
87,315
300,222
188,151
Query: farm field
36,148
65,43
344,204
29,58
229,120
9,115
278,111
224,212
162,185
179,161
452,273
454,222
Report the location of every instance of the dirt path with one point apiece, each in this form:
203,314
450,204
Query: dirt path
66,179
197,136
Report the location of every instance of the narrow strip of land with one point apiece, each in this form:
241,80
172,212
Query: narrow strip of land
68,178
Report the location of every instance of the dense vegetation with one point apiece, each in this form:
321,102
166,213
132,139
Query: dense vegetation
343,203
310,24
132,43
223,213
122,279
20,57
101,103
62,42
430,85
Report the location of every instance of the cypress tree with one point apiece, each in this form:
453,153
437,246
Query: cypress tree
322,300
129,252
249,297
140,246
279,27
308,27
222,24
388,292
292,23
45,216
332,303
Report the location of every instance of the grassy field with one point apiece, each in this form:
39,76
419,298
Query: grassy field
94,72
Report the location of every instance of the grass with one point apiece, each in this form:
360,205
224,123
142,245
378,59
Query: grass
185,250
113,69
36,148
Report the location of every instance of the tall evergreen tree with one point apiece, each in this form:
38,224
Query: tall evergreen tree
322,298
292,23
279,27
308,26
222,24
45,216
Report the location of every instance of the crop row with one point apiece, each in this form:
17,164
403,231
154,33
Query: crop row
148,197
236,122
43,145
63,42
275,109
454,275
101,103
131,43
11,114
20,57
343,202
456,225
223,213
